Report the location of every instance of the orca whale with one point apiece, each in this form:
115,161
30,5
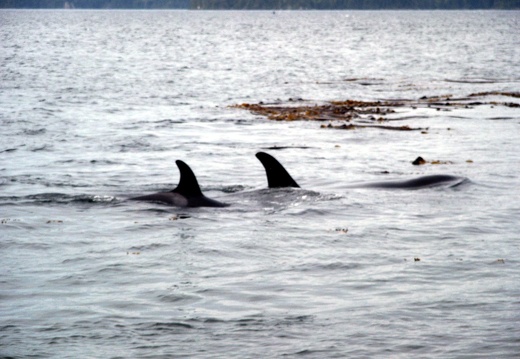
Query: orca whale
186,194
278,177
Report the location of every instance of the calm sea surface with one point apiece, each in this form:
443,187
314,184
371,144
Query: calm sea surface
96,106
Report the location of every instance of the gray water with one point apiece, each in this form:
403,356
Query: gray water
96,106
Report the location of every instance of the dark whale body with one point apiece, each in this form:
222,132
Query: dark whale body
416,183
278,177
186,194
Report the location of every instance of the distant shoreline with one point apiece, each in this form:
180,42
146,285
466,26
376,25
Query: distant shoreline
265,5
259,10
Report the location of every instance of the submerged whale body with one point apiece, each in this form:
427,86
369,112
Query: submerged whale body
416,183
186,194
278,177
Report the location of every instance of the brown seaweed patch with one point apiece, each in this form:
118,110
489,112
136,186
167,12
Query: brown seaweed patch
363,104
277,148
352,126
496,93
355,114
284,113
7,220
340,230
366,114
439,162
333,111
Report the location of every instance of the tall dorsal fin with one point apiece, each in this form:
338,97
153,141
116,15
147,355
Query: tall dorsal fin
188,185
277,175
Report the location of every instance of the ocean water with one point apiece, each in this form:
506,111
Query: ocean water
96,106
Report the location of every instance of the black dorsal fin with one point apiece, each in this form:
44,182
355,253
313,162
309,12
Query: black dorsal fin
188,185
277,175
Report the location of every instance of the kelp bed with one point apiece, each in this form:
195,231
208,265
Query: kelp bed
353,114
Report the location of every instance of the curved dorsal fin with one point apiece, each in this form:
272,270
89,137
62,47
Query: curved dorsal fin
188,185
277,175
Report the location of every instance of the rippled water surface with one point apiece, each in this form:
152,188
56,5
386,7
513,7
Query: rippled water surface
96,106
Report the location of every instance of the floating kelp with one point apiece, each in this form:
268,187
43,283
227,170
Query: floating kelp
356,114
351,126
335,110
277,148
421,161
7,220
496,93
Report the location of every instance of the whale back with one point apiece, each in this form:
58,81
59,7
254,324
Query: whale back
277,175
415,183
